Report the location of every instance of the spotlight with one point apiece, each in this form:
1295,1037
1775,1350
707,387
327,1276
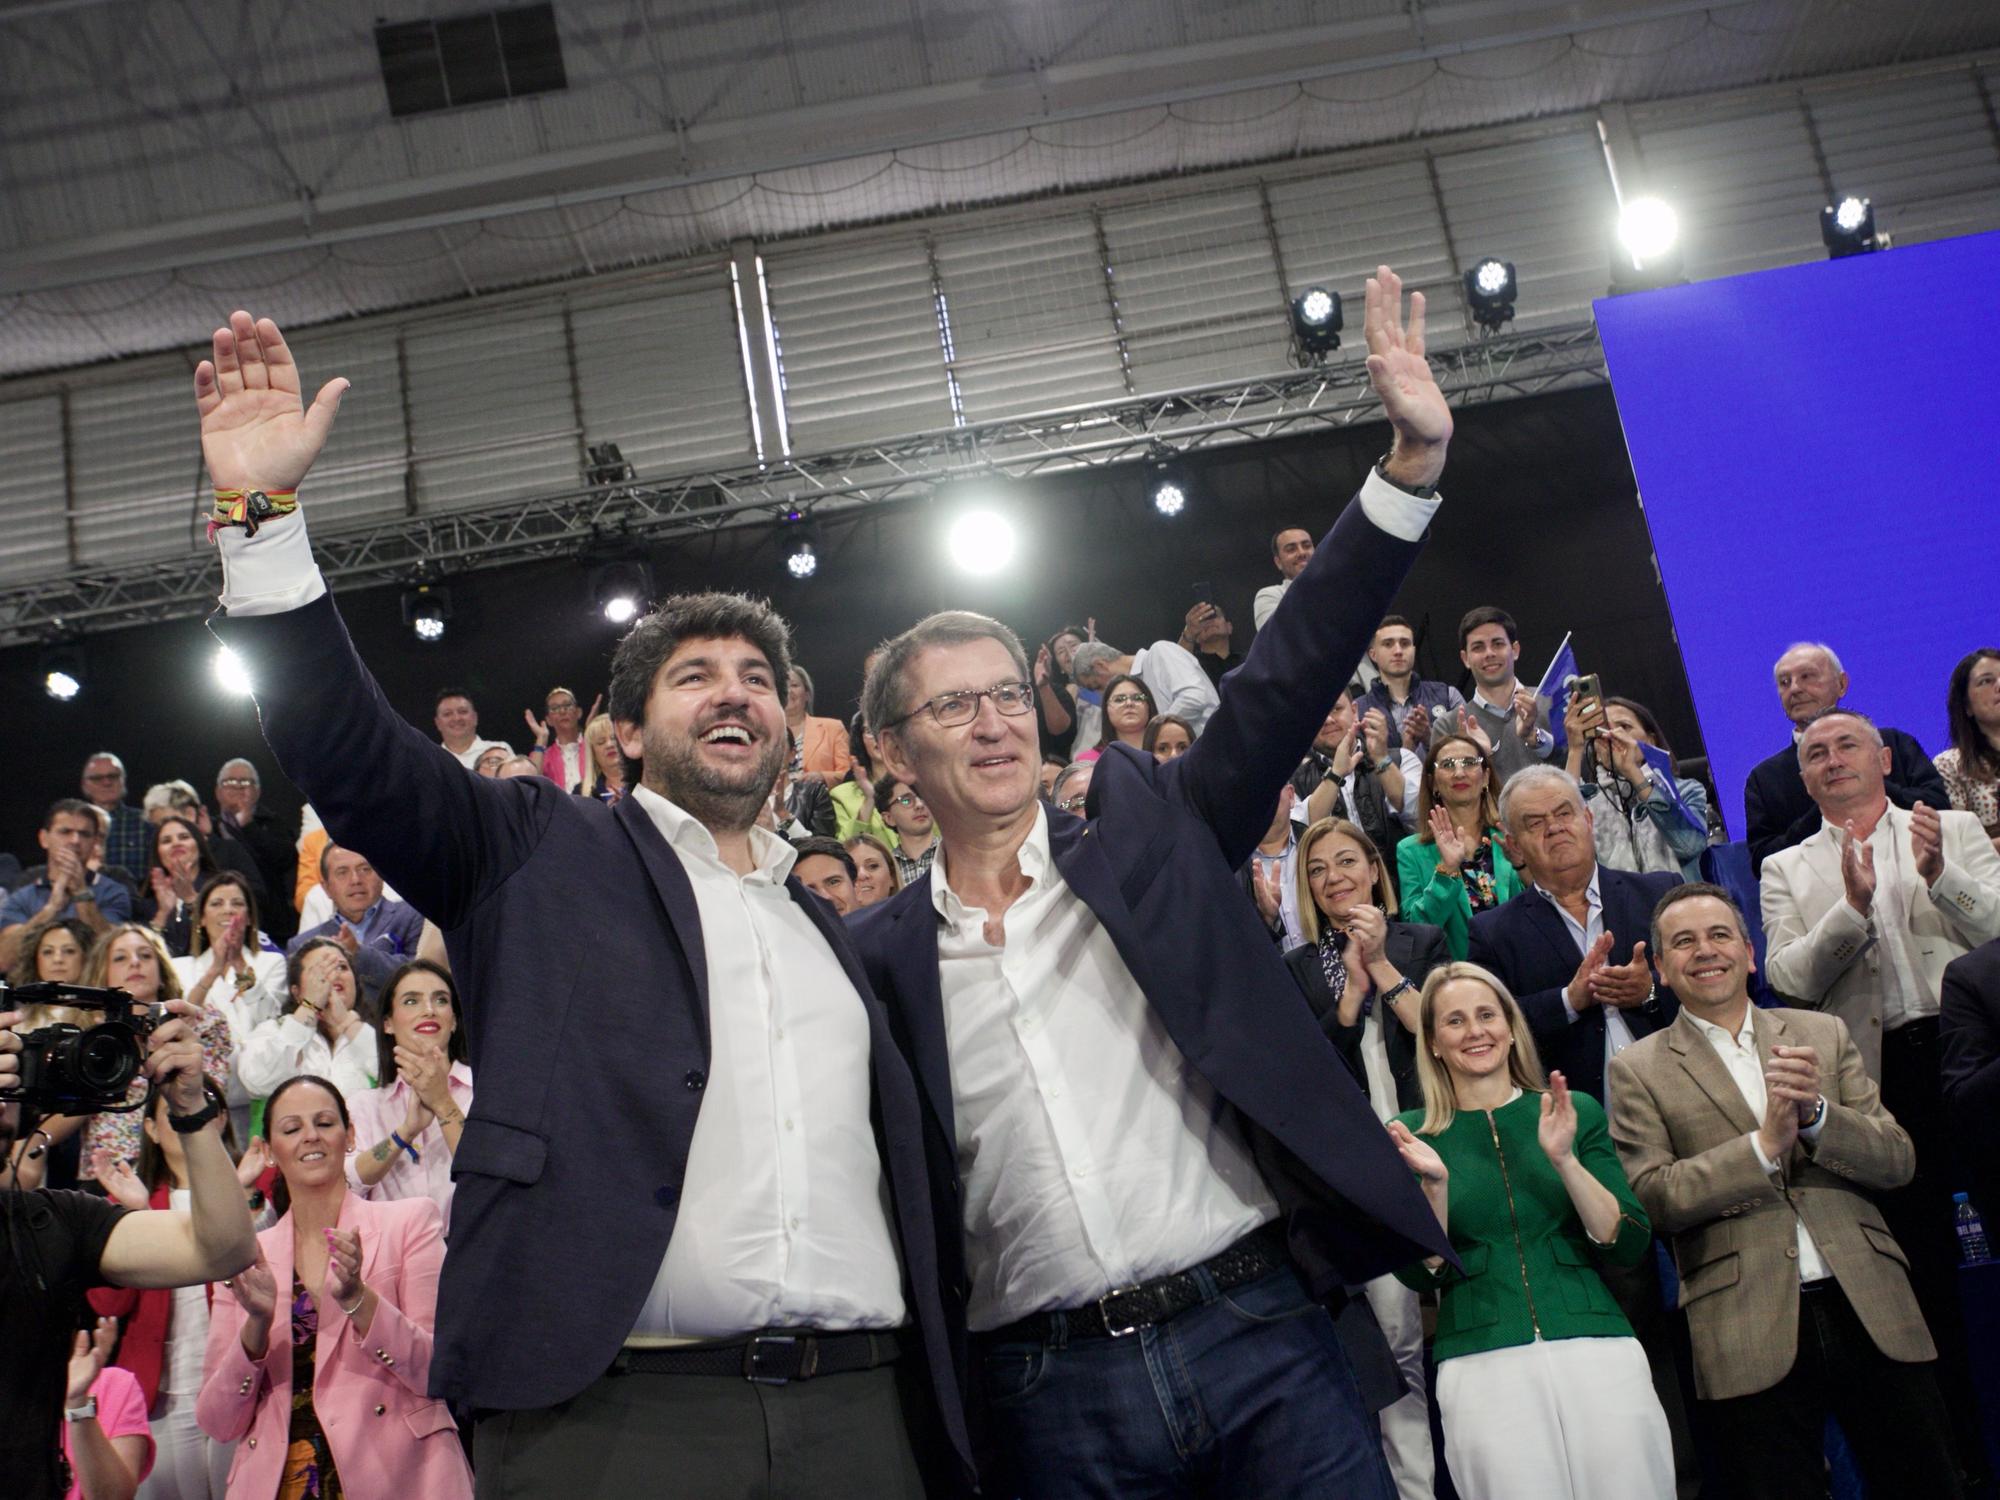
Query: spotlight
1315,325
1848,228
981,542
621,590
1490,289
607,466
62,672
1649,251
802,543
231,673
425,609
1171,487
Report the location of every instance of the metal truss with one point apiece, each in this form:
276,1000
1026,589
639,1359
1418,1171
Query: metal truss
653,510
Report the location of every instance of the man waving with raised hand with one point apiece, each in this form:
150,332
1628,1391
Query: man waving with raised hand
1159,1162
692,1242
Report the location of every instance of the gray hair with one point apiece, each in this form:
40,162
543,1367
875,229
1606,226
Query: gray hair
1068,774
1820,646
1837,712
237,760
806,679
168,794
882,698
1529,777
1090,656
104,755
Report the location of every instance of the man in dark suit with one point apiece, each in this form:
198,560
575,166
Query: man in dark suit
1572,945
1969,1031
695,1154
1144,1130
1778,812
1572,948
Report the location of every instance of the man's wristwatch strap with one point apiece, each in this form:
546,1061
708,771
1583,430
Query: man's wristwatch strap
189,1124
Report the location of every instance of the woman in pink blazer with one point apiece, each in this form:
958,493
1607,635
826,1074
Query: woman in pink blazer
319,1354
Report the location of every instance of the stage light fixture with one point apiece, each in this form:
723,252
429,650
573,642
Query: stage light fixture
981,541
607,466
232,674
1316,323
62,673
1848,227
1648,247
801,561
1171,488
621,590
800,543
426,607
1490,289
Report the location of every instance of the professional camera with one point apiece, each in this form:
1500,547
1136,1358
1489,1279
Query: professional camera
68,1069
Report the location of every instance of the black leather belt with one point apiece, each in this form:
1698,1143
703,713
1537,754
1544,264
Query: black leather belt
778,1357
1128,1309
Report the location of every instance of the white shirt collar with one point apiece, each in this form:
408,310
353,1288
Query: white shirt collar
1480,699
1746,1034
1590,891
1035,855
685,832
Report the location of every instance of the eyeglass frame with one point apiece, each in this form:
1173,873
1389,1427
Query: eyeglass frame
1027,690
1458,762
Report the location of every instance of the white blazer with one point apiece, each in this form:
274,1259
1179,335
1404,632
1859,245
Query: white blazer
1821,953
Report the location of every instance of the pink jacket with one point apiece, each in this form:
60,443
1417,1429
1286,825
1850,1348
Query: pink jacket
388,1437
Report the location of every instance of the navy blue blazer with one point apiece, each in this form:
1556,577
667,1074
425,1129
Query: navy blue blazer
1156,862
577,946
1525,941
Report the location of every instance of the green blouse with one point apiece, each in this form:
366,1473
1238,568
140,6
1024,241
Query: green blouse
1426,894
1530,1270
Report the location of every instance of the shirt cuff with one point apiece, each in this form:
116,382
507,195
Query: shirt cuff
1762,1160
1398,512
271,572
1811,1132
1570,1012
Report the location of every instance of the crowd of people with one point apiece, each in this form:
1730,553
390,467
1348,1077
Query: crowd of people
1078,1068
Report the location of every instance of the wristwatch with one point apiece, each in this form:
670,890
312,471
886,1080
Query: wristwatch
189,1124
87,1412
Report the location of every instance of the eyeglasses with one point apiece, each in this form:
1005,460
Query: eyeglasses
1124,700
236,783
1460,763
908,799
105,776
1073,804
951,709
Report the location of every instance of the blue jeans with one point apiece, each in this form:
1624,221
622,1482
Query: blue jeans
1247,1394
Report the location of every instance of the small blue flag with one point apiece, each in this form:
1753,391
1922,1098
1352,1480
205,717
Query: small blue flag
1660,768
1557,683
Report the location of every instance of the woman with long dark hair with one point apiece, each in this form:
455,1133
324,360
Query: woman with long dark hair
318,1372
406,1129
322,1032
1128,709
180,865
1066,705
1640,825
1970,765
1454,864
227,968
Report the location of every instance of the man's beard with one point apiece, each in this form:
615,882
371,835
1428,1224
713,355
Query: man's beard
716,797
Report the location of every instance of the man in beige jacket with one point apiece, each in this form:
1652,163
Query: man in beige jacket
1755,1139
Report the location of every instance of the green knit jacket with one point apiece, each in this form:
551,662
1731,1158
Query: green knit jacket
1427,894
1530,1270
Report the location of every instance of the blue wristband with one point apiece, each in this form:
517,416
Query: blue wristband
398,1139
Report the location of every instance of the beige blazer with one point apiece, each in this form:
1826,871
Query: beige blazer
1821,953
1683,1129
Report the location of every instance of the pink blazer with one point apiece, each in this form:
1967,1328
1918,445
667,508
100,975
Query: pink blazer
389,1438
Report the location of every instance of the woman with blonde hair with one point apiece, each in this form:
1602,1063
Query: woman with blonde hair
1454,865
1542,1387
875,875
608,784
1360,969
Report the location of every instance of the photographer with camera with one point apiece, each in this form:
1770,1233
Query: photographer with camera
55,1245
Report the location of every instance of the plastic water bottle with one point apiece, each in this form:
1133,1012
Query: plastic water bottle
1972,1248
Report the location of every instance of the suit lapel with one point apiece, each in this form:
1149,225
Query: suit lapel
918,994
1549,923
676,896
1708,1074
1078,850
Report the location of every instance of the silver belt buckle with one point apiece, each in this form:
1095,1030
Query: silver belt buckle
1111,1326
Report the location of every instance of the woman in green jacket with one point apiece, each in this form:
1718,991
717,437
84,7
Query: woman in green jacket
1453,865
1543,1390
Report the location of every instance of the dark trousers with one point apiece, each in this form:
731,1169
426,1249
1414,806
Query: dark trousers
1772,1443
1248,1393
704,1437
1920,1216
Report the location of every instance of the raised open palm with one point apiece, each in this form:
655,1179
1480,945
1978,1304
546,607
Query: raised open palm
255,430
1396,365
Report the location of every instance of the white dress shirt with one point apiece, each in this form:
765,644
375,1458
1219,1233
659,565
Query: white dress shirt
1092,1157
1177,682
286,1045
380,1111
1906,994
1266,603
783,1214
784,1211
1746,1068
1617,1031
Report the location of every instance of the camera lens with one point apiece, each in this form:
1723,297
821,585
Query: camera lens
107,1059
